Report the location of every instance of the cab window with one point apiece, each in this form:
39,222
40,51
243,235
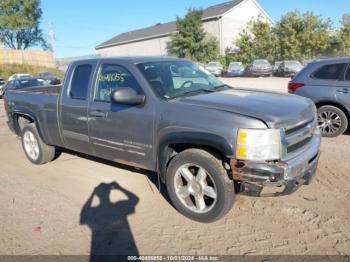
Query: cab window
112,77
80,82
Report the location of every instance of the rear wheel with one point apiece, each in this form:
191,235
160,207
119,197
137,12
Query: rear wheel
332,121
198,186
35,149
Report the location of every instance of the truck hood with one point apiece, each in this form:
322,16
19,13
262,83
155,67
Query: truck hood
275,109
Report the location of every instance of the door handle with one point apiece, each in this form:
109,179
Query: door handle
97,113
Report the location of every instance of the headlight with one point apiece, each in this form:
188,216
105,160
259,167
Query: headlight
258,144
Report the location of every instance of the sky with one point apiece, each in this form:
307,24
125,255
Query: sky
80,25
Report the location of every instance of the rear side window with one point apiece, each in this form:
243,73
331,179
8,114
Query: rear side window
329,72
80,82
347,75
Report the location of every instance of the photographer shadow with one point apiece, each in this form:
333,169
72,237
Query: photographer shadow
111,233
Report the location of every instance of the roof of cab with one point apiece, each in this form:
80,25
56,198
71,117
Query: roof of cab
132,59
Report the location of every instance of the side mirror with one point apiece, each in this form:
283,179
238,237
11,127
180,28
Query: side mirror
127,96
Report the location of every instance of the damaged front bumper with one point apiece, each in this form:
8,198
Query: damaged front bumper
278,178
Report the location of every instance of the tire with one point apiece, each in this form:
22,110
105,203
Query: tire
34,148
216,191
332,121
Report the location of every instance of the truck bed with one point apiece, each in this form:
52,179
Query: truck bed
47,90
41,102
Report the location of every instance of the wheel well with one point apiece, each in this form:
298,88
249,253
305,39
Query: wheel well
340,106
178,148
20,120
173,149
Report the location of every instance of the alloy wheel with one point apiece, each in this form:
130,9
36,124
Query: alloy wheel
31,145
329,122
195,188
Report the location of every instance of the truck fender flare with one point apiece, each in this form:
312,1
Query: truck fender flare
195,139
24,111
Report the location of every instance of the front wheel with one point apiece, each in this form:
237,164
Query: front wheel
199,186
332,121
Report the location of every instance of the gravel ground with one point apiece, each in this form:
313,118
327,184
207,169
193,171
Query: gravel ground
67,207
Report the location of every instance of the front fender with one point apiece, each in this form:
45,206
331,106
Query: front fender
192,138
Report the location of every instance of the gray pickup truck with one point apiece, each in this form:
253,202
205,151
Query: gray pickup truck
206,141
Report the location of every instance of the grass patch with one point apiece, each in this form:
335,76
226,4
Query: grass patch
6,70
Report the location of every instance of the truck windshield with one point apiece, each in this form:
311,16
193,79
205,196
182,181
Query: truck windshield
173,79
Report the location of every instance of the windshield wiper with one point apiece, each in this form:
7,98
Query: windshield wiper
193,92
200,91
222,86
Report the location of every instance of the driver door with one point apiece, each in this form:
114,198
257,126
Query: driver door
121,133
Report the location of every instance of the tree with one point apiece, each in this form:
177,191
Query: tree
19,24
246,52
258,41
302,36
191,41
345,35
340,38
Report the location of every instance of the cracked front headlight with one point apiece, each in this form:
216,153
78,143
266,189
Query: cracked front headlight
258,144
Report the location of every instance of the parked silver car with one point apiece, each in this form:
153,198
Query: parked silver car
289,68
19,76
235,69
327,83
261,67
276,66
23,82
215,68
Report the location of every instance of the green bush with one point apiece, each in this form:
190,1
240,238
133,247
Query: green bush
6,70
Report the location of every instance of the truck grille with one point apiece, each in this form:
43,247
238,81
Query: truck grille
298,137
298,145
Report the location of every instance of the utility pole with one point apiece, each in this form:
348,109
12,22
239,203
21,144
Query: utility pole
52,36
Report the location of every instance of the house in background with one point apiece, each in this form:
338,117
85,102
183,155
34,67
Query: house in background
224,21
